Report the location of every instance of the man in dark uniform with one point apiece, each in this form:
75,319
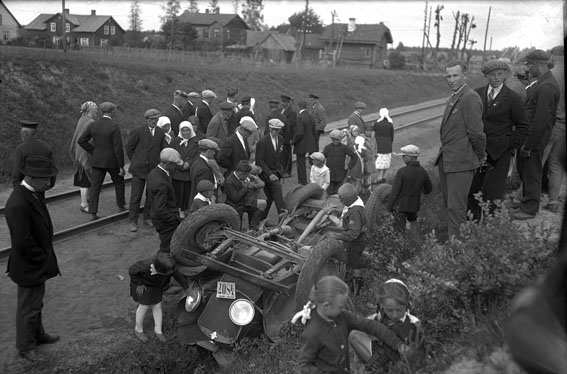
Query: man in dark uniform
290,117
107,156
269,157
176,112
355,118
541,106
143,149
319,114
232,98
303,140
204,113
164,212
245,110
506,126
31,145
236,147
201,168
191,106
32,259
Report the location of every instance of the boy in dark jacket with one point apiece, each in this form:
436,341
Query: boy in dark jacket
405,200
336,153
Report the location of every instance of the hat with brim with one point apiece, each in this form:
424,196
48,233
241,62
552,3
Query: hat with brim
107,107
208,144
170,155
193,95
205,185
286,98
247,123
29,124
537,56
336,134
152,114
360,105
276,124
181,93
39,167
245,100
273,102
313,96
208,94
317,156
225,105
408,150
494,65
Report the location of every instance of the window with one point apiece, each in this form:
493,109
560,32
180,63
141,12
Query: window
106,28
0,19
103,42
216,33
205,32
227,34
367,52
53,27
112,30
6,35
67,27
56,40
84,42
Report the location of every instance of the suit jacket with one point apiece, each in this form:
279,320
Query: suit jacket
541,106
189,110
244,112
231,153
143,150
268,159
290,123
32,146
176,116
200,170
356,120
506,123
188,154
32,259
304,139
236,192
106,151
319,114
272,115
217,130
204,114
163,210
463,141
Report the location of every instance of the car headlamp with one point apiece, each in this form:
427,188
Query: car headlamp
241,312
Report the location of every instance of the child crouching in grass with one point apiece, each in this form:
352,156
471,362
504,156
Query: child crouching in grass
325,347
147,280
393,311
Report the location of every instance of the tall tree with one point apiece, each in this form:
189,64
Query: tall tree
183,34
235,6
252,14
193,6
438,19
313,24
135,17
214,6
171,10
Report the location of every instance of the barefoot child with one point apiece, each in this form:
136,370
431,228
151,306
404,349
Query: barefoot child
325,347
320,173
393,311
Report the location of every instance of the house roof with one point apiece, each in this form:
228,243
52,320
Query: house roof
257,38
10,13
83,23
363,33
207,19
313,41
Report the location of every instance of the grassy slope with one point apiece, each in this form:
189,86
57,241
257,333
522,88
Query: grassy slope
50,86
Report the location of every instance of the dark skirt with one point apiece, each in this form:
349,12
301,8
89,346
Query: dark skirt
151,296
80,179
182,192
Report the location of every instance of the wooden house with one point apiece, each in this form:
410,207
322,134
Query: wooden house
271,46
219,29
82,31
9,25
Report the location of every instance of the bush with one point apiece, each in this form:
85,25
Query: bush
396,60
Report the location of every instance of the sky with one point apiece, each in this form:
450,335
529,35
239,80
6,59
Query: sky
522,23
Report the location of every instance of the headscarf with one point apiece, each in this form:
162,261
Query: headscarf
384,113
186,124
81,158
359,143
162,121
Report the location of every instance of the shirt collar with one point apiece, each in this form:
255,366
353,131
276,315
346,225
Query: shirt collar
26,185
204,158
496,90
198,196
165,171
107,116
459,90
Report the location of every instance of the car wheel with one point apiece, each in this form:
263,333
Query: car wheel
376,204
309,191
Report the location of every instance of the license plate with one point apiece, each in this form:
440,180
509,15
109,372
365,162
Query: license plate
226,290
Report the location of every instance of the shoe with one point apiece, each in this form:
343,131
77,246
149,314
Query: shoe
148,223
121,209
94,216
552,207
161,337
513,204
141,336
47,339
522,216
85,209
133,227
32,355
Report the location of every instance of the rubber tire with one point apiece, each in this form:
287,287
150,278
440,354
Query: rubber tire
294,188
325,250
309,191
377,202
185,236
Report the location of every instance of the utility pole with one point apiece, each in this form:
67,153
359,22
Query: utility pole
64,28
304,27
423,40
333,15
486,35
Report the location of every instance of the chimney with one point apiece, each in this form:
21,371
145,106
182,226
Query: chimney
351,24
206,11
93,12
66,10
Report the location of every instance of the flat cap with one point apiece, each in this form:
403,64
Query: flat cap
537,56
360,105
493,65
336,134
28,124
225,105
208,94
275,123
409,150
107,107
273,101
557,50
317,156
193,95
205,185
181,93
248,124
286,98
245,100
313,96
152,114
208,144
170,155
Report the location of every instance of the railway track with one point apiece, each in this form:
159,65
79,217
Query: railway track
402,117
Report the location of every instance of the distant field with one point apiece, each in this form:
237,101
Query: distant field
49,86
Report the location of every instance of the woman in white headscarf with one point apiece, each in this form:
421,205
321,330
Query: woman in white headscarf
164,123
186,144
81,158
384,135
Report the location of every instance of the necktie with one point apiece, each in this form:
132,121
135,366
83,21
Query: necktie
490,96
246,146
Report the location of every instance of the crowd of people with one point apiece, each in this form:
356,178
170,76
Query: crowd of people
186,157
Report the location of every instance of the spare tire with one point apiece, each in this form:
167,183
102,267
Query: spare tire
326,258
377,204
309,191
196,231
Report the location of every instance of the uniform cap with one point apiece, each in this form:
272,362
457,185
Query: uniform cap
493,65
248,124
170,155
29,124
313,96
360,105
193,95
208,144
275,123
286,98
107,107
205,185
181,93
233,91
245,100
318,156
537,56
208,94
273,101
336,134
152,114
39,167
225,105
409,150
